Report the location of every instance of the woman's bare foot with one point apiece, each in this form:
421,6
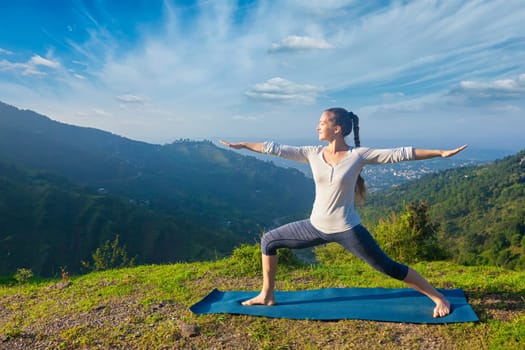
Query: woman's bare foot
416,281
442,308
260,299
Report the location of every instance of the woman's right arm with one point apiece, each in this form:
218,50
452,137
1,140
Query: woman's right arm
252,146
298,154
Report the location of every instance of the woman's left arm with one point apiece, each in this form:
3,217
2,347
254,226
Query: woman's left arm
420,154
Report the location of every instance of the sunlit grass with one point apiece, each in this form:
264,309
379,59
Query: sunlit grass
142,307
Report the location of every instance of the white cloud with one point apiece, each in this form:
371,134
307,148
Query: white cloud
406,105
128,98
37,60
299,43
496,89
30,68
101,112
506,108
5,65
25,69
426,42
282,90
327,8
393,95
470,98
5,52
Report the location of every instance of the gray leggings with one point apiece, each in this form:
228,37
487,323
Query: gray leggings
302,234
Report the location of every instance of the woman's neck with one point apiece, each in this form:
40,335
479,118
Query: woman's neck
337,145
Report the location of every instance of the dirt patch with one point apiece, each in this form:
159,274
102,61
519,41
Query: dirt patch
501,307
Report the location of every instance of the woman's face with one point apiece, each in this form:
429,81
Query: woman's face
326,128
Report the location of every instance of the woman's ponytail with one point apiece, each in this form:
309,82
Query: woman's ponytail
348,121
360,186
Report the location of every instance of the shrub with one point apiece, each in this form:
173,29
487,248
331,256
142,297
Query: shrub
333,254
407,237
410,236
246,260
23,275
110,255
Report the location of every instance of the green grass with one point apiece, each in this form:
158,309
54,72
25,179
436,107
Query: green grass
145,307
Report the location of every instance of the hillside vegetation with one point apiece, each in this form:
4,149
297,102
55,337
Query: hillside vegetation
181,177
147,308
48,224
66,190
479,212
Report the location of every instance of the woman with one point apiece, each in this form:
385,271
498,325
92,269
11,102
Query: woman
338,184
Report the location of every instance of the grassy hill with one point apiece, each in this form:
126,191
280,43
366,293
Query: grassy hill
147,308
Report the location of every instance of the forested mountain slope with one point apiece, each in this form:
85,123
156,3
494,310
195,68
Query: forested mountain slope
188,193
48,224
182,176
65,190
480,210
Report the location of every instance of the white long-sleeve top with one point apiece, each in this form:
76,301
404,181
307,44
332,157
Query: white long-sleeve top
333,209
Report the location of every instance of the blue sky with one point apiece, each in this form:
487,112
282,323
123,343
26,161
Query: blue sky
428,73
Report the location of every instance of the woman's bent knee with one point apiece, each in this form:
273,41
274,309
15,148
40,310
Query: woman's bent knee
267,246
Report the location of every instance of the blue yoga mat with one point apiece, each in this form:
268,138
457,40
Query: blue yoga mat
377,304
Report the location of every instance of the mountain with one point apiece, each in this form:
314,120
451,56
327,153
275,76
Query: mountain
480,210
169,177
66,190
195,186
48,224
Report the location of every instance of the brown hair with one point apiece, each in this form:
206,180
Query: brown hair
349,121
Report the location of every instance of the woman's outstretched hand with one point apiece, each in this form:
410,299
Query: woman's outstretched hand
238,145
256,147
450,153
420,154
